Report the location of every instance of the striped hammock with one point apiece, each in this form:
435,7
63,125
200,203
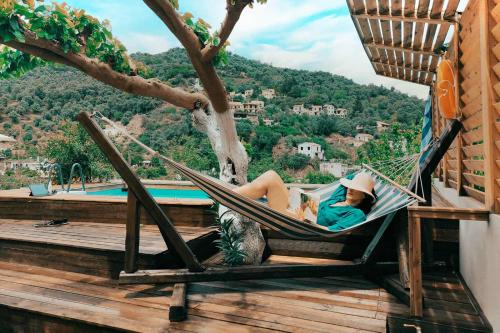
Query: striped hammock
391,198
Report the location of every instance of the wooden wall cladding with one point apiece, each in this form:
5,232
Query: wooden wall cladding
472,164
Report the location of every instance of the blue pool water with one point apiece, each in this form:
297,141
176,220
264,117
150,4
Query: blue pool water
157,193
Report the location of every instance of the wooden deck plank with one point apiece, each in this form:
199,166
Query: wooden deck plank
92,235
334,304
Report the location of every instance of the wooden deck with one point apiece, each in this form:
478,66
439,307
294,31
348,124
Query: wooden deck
35,299
91,248
62,279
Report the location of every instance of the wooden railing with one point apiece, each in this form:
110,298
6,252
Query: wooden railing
472,164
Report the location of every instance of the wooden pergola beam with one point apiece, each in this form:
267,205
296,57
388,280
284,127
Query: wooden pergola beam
403,67
392,34
397,48
426,19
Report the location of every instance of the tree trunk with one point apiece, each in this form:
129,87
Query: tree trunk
233,163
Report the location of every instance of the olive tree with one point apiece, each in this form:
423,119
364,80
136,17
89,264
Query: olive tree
35,33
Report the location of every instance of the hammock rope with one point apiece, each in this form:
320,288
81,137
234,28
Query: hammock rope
397,172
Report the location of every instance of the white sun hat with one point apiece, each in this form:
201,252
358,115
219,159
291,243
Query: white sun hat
361,182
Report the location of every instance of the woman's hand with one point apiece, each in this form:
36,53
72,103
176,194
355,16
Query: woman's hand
300,213
313,206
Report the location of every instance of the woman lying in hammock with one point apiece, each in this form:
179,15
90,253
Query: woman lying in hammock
347,206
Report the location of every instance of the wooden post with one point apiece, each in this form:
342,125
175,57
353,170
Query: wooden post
403,251
458,82
428,241
178,310
489,121
133,233
176,245
416,305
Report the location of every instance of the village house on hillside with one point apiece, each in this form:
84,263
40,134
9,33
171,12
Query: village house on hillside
381,126
30,164
311,149
337,168
247,94
249,107
236,106
362,138
339,112
317,110
253,106
268,93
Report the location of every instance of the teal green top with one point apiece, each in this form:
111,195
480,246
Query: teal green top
337,218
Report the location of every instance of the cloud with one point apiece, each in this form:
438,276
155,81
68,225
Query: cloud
278,16
301,34
328,44
137,42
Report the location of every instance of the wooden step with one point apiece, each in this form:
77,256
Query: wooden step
448,305
92,248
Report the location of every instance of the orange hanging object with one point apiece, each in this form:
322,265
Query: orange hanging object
446,89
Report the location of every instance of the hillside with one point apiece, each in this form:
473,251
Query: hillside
34,106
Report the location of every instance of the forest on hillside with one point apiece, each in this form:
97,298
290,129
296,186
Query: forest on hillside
35,107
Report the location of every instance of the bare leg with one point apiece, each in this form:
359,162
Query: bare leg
271,185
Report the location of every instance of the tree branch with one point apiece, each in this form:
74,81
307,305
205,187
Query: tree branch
167,13
233,13
38,52
212,84
138,85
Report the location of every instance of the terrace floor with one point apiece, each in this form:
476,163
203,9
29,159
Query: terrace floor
55,280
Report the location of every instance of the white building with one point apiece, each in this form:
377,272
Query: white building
361,139
253,106
34,165
316,110
341,113
338,169
365,137
299,109
268,93
329,109
311,149
236,106
248,93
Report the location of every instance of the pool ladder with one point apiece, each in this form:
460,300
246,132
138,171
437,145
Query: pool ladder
57,168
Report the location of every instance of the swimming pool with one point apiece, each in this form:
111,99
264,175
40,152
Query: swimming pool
156,193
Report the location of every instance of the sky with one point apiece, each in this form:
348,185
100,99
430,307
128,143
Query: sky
300,34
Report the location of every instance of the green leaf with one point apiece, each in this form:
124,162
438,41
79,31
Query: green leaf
14,24
174,3
19,36
41,9
6,37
